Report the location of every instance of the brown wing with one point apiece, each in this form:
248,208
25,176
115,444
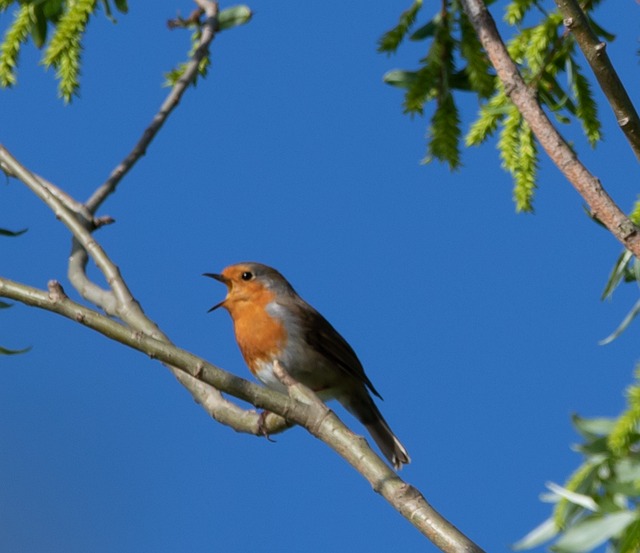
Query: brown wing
327,340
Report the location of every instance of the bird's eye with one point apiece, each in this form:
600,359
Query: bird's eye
247,275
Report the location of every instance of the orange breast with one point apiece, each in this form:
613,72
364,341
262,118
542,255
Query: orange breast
259,335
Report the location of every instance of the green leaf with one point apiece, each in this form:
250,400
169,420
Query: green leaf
5,232
592,531
509,143
623,325
586,107
516,10
627,469
633,275
39,29
5,305
478,68
444,134
598,30
390,41
589,428
233,17
400,78
616,274
490,116
539,535
53,9
579,499
525,174
15,36
426,31
122,6
5,351
630,540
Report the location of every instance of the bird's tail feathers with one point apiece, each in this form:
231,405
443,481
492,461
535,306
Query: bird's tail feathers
367,412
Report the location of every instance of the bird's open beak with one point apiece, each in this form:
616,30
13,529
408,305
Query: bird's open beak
224,281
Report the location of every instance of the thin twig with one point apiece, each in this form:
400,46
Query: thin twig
587,185
595,52
209,29
118,301
319,421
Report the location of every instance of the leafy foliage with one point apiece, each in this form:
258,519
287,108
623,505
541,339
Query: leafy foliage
227,19
598,502
69,20
626,269
390,41
33,18
455,62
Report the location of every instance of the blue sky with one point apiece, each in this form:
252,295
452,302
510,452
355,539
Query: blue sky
478,326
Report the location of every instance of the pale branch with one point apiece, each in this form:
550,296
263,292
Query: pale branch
118,301
588,186
595,52
318,420
229,414
208,32
78,229
77,275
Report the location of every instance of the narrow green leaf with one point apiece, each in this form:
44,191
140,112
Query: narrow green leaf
400,78
616,274
623,325
630,540
122,6
5,305
426,31
635,272
627,469
597,29
6,351
593,531
53,9
5,232
589,428
390,41
39,29
478,68
539,535
234,16
576,498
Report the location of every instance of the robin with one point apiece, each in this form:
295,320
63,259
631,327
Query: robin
272,323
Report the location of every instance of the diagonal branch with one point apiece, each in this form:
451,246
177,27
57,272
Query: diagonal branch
595,52
209,29
315,417
588,186
119,302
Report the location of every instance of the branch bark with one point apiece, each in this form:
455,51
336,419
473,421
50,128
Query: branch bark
588,186
208,32
313,415
595,52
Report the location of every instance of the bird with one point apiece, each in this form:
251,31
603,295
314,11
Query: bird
272,323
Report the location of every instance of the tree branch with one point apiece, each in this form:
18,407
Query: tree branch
317,419
118,301
209,29
587,185
595,52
